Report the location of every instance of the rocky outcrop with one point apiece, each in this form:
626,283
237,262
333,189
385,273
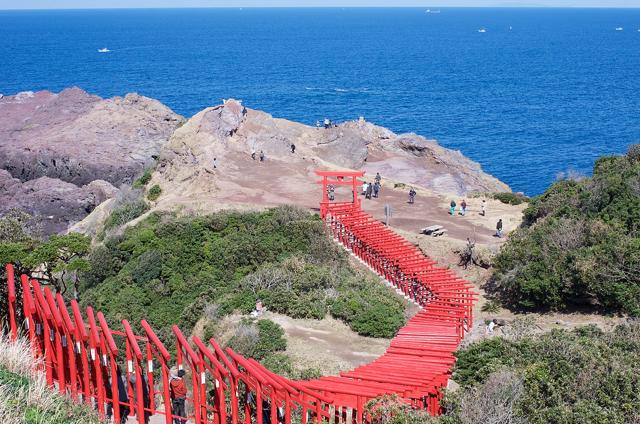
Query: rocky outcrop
231,132
62,154
57,203
78,138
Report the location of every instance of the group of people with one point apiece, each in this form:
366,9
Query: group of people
328,123
370,190
123,396
178,392
253,155
483,212
463,208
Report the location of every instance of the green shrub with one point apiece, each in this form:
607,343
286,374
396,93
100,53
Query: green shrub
491,306
154,193
126,213
144,179
509,198
278,363
258,340
633,154
585,375
578,246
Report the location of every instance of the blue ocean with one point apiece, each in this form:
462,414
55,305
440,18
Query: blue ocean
537,93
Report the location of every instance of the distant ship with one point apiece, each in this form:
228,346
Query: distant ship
619,29
104,50
482,30
431,11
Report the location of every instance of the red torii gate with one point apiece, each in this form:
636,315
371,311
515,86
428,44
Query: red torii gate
338,178
83,358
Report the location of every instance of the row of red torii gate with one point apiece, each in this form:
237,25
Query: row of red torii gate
82,355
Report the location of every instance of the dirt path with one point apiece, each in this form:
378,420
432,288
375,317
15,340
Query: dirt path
328,345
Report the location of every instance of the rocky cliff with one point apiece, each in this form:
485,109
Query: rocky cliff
62,154
230,132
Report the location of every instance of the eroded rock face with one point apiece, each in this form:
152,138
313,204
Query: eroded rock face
62,154
57,202
230,133
76,137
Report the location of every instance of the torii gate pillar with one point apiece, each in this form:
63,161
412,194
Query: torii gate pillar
338,178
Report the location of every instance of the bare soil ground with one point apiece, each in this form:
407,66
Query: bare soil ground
328,345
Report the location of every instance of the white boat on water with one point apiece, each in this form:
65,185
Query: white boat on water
431,11
482,30
104,50
619,29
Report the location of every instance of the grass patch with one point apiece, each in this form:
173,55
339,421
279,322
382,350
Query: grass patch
154,193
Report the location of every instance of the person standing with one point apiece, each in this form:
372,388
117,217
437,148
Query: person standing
499,228
293,148
369,191
215,163
178,398
412,196
332,193
452,208
327,123
378,177
483,208
376,189
123,397
261,156
463,207
365,185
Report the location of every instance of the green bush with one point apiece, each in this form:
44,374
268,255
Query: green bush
154,193
258,340
509,198
278,363
125,213
579,246
144,179
580,376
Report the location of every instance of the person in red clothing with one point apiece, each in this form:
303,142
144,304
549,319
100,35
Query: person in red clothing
178,398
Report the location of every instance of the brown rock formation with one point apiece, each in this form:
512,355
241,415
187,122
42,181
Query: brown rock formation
61,154
230,132
78,138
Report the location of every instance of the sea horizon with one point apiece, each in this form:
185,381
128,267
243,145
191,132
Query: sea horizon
542,92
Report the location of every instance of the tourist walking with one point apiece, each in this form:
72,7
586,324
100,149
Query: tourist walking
178,398
369,191
293,148
365,185
452,208
376,189
215,163
463,207
412,196
499,228
261,156
332,193
483,208
378,177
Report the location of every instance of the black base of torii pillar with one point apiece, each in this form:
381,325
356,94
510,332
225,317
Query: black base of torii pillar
338,178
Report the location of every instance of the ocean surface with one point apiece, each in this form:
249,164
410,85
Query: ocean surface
541,92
